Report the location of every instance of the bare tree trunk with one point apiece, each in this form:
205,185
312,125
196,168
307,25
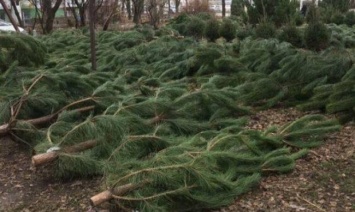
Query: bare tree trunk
8,13
38,16
123,4
177,5
20,21
153,13
65,9
169,9
92,34
129,9
223,8
48,15
138,7
76,18
82,6
112,14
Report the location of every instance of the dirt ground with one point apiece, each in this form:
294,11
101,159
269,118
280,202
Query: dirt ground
24,189
322,181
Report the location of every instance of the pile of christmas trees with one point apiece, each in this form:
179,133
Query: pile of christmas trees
163,117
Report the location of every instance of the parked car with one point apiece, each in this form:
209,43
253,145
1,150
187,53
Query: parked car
8,27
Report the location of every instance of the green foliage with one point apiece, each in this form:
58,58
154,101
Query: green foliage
298,19
22,48
350,18
342,36
265,30
278,12
337,18
291,34
311,127
195,27
185,172
341,5
205,16
284,12
181,19
237,7
244,32
313,14
316,36
168,114
228,29
326,13
212,29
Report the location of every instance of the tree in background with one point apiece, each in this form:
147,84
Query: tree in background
341,5
82,8
4,6
197,6
49,9
129,9
46,13
155,9
14,4
223,8
352,3
113,10
237,7
177,5
138,8
279,12
126,6
92,12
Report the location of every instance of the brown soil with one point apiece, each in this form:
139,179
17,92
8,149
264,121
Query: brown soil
322,181
24,189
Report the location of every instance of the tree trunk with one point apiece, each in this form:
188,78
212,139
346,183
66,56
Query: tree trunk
48,27
47,157
20,21
177,5
169,9
138,7
38,16
76,18
8,13
92,34
129,9
153,13
82,6
44,158
101,198
7,127
65,9
4,129
49,14
118,191
223,8
112,14
82,14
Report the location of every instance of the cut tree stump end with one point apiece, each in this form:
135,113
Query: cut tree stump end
100,198
44,158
